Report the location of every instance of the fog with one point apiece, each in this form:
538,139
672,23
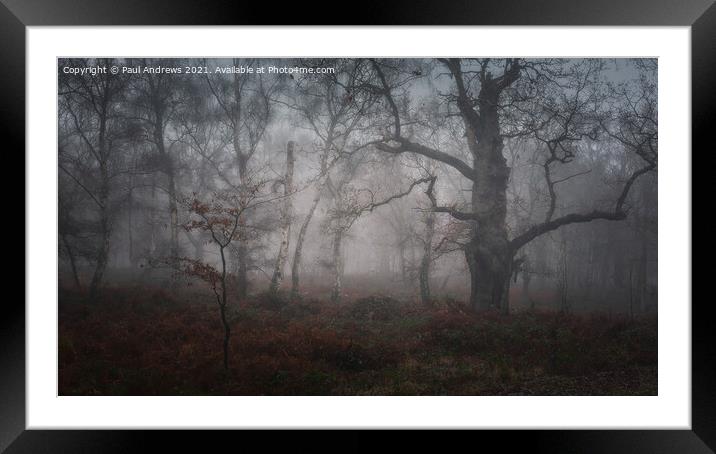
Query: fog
507,184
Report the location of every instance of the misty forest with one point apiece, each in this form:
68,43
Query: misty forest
357,226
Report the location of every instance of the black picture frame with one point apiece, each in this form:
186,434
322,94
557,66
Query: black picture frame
16,15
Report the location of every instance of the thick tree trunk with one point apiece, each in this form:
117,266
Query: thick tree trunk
489,277
337,267
489,254
286,214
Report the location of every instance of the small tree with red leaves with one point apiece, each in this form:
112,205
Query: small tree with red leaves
221,218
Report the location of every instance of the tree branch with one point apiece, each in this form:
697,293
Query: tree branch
617,215
375,205
388,97
89,193
459,215
554,224
406,146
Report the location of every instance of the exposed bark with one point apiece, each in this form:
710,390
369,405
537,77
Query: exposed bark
286,218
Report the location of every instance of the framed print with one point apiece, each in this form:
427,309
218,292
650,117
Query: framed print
455,219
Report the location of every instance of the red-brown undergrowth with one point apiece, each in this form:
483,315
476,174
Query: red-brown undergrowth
140,341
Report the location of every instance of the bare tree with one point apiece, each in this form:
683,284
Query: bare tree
427,258
350,203
90,106
286,220
335,109
220,218
157,97
244,106
481,99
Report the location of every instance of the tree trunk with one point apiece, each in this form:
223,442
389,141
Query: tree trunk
73,264
222,309
489,277
564,305
102,256
173,213
242,283
103,252
130,223
298,253
425,262
286,214
197,243
489,255
642,276
526,279
337,267
168,170
403,263
227,336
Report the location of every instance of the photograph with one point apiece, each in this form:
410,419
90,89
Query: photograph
357,226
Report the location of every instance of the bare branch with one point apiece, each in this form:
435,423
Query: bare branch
617,215
406,146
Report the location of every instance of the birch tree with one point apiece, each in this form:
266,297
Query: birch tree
286,220
89,106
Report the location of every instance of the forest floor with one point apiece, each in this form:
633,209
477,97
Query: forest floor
140,341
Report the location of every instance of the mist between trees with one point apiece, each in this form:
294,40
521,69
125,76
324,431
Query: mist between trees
507,184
